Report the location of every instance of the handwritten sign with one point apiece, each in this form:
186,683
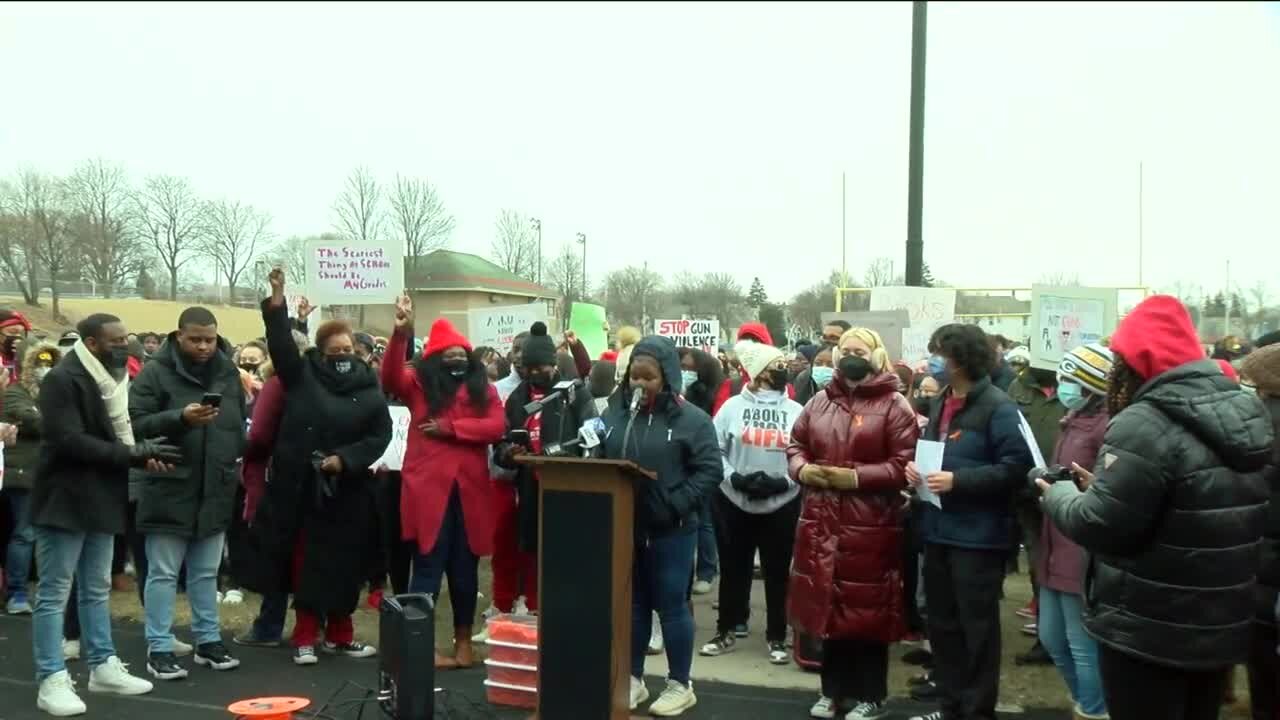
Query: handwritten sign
497,327
588,322
700,334
393,458
927,308
1067,318
341,273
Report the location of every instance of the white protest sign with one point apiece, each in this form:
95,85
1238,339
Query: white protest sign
340,273
927,308
700,334
1066,318
497,327
393,458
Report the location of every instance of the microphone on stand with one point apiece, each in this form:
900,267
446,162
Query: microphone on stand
636,396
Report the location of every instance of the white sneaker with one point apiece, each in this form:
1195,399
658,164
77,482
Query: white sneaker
58,696
824,709
113,677
867,711
70,650
639,693
656,646
674,700
702,587
233,597
483,636
181,649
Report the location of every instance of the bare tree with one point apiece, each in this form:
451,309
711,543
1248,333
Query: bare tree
44,201
110,252
807,307
419,217
879,273
237,234
725,298
564,275
15,239
1060,279
291,256
172,221
515,247
360,216
631,293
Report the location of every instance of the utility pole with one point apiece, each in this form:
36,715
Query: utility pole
582,239
844,243
537,226
1140,221
1226,330
915,158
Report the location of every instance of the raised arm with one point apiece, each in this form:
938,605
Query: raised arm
280,344
581,358
398,377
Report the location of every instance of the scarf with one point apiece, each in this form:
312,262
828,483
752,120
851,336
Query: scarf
115,393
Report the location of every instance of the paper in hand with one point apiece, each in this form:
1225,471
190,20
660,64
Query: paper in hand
929,460
1030,438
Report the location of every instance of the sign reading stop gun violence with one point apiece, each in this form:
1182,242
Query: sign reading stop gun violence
701,334
341,273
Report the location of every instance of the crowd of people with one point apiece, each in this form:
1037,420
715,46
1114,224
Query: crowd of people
1137,474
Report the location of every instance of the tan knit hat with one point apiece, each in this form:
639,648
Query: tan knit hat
1262,368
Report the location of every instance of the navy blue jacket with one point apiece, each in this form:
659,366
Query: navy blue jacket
673,438
990,459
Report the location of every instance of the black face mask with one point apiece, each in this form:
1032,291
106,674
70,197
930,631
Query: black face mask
114,358
921,405
543,382
249,368
854,368
342,364
456,369
10,343
778,379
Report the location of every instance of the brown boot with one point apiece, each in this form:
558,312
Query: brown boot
464,653
444,662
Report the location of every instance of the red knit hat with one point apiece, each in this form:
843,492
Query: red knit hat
755,331
444,336
10,318
1157,336
609,356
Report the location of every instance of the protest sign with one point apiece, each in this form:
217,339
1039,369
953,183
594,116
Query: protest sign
340,273
928,310
701,334
1066,318
393,458
891,324
589,323
497,327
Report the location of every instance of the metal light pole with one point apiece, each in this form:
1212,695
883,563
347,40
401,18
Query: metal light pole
582,239
915,156
537,226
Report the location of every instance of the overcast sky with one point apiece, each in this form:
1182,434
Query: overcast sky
697,137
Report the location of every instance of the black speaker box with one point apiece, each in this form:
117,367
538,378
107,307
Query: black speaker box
406,669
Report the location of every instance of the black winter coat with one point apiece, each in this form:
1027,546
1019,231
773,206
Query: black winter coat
82,476
333,414
1269,572
551,432
671,437
197,499
1174,521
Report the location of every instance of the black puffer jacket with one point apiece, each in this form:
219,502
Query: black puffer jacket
1174,520
671,437
197,498
1269,572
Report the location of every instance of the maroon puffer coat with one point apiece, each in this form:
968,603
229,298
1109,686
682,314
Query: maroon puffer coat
846,579
1060,563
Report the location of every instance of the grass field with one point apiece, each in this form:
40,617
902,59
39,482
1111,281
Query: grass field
161,316
1038,686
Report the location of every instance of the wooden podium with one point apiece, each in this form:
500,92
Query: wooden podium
585,545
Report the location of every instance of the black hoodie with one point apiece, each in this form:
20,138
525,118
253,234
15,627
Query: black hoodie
671,437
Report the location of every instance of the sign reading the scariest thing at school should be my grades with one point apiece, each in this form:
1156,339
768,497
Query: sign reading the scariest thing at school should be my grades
340,273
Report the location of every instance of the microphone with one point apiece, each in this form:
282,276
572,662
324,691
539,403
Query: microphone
636,396
564,388
588,439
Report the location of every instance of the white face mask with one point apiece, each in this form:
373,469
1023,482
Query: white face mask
40,373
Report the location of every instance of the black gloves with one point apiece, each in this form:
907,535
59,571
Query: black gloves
758,485
154,449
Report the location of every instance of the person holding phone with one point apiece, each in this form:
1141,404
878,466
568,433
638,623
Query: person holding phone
191,393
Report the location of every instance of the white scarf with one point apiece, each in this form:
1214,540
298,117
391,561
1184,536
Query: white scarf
115,393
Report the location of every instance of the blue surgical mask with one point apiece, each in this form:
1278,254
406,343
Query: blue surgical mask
938,369
822,376
688,377
1072,395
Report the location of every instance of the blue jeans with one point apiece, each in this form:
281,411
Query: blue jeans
17,564
63,555
708,553
165,555
269,625
451,555
660,581
1073,651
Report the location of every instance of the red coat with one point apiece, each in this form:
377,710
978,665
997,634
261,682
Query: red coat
434,465
846,579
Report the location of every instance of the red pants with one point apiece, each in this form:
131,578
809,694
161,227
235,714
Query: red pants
338,628
513,569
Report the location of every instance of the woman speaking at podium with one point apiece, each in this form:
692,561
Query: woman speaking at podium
649,424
